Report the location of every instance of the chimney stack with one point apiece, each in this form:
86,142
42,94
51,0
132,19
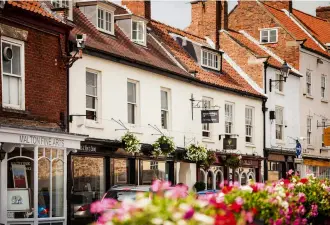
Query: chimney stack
139,7
323,12
280,4
207,18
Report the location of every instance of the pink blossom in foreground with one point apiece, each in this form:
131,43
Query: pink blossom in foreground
302,197
159,185
189,214
101,206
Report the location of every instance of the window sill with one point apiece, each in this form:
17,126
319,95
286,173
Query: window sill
309,96
324,101
266,43
279,92
14,110
250,145
310,147
325,148
93,124
207,140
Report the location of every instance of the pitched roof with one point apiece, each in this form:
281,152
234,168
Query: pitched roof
122,46
229,78
41,8
319,27
297,31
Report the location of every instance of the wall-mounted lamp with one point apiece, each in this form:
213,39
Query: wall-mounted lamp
2,153
319,61
285,71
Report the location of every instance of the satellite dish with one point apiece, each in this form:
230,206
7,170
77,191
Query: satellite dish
7,53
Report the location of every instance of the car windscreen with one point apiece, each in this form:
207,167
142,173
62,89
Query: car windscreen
120,195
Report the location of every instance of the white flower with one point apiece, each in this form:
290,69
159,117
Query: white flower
247,188
181,222
142,203
168,223
285,204
204,219
157,221
177,215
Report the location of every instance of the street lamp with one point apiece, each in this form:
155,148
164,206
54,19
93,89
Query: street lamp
2,153
285,71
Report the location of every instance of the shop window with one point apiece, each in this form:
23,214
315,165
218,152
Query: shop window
151,173
88,184
120,171
218,180
209,180
20,192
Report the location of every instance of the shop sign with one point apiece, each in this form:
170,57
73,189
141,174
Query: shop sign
326,137
229,143
276,158
42,141
210,116
249,162
321,163
88,148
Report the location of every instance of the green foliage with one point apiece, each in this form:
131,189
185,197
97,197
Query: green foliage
163,140
196,153
199,186
131,143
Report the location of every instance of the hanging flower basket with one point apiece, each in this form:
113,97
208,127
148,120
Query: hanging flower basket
210,160
233,161
164,146
131,143
196,153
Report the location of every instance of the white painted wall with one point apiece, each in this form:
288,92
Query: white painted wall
289,100
113,100
314,106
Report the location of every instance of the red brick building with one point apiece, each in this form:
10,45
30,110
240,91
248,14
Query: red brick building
33,97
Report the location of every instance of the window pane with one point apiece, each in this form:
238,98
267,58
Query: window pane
164,100
141,31
16,61
58,188
14,90
100,18
273,34
264,36
90,102
164,119
5,63
91,79
120,171
90,115
43,188
5,91
131,113
134,35
131,92
150,172
135,26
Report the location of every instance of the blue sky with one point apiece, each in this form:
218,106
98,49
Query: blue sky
177,13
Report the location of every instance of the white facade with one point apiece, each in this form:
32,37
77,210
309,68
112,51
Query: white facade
112,104
313,105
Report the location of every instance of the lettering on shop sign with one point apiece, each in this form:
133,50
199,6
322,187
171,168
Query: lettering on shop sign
249,162
44,141
88,148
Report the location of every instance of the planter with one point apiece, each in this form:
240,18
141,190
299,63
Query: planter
164,147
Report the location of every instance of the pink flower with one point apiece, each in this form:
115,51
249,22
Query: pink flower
159,185
301,210
179,191
278,222
302,197
290,172
239,200
189,214
249,217
314,211
101,206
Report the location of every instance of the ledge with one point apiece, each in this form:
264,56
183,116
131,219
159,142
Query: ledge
324,101
309,96
94,125
207,140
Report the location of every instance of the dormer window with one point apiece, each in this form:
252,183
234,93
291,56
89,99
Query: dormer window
268,35
60,4
139,32
210,59
105,20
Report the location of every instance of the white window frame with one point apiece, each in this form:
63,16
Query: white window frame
60,3
168,110
309,84
97,109
229,119
280,83
21,105
279,123
249,124
309,130
207,127
112,21
212,60
136,104
324,88
153,165
268,35
137,41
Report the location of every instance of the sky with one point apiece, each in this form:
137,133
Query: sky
177,13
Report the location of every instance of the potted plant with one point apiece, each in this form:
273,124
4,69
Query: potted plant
164,146
233,161
131,143
199,186
196,153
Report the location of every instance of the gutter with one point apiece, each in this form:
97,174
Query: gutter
145,66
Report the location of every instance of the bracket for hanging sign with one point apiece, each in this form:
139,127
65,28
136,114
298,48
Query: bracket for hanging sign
197,104
120,123
156,129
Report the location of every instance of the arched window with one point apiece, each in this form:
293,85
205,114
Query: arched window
244,180
209,180
218,179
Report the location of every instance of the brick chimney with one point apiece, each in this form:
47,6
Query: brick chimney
139,7
207,18
280,4
323,12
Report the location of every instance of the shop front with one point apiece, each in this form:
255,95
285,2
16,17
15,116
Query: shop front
101,164
278,164
248,168
33,176
318,167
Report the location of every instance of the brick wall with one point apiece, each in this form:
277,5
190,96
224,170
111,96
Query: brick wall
323,12
280,4
45,80
251,17
139,8
245,59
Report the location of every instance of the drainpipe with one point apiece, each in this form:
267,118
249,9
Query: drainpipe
264,110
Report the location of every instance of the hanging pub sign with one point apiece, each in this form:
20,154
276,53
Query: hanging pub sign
210,116
229,143
326,136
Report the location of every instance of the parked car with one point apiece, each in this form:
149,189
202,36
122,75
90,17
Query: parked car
120,192
81,206
202,194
